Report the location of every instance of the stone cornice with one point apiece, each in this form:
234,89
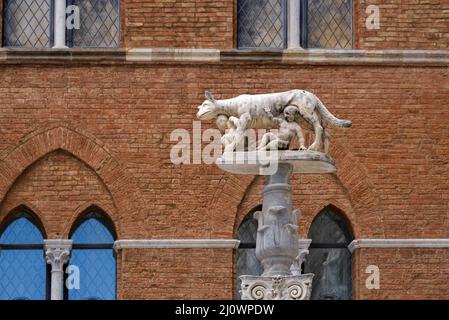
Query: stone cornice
176,244
398,243
225,56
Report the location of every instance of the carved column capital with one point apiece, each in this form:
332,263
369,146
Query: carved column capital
277,287
57,253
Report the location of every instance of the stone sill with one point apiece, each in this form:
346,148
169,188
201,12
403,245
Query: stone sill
21,55
216,56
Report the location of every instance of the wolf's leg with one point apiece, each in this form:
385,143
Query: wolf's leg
326,138
318,129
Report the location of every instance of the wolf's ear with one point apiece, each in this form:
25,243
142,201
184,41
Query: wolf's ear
209,96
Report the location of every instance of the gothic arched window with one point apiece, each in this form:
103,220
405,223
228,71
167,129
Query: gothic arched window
329,257
94,256
23,270
246,260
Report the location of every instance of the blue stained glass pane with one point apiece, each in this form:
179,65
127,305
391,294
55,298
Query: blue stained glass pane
97,267
22,275
92,231
97,274
21,231
22,272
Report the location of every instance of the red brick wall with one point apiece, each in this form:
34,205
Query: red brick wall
176,274
392,180
406,24
404,273
185,24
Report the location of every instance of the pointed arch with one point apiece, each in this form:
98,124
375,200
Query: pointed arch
34,215
93,211
86,148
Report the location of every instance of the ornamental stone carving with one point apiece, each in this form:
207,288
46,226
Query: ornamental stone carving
284,111
277,245
276,287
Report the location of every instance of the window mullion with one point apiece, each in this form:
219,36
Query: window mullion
294,30
59,24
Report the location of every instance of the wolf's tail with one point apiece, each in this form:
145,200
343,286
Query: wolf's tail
330,118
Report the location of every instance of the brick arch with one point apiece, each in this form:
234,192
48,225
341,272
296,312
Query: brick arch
364,211
82,146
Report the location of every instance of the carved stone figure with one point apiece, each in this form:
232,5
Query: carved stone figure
277,244
229,125
257,111
288,129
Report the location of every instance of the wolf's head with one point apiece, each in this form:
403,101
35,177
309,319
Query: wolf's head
209,109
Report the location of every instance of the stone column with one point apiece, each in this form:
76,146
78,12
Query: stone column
277,245
277,234
59,24
57,253
294,30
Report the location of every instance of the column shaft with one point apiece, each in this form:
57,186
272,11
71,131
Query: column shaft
57,253
294,30
59,24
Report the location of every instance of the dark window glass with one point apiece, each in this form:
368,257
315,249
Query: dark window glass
261,24
326,24
27,23
92,253
30,23
329,259
22,270
247,262
99,24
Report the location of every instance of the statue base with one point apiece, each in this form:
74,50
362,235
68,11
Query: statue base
266,162
295,287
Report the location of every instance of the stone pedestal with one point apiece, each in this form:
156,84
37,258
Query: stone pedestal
277,245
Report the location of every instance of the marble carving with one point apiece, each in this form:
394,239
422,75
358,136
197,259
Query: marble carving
271,111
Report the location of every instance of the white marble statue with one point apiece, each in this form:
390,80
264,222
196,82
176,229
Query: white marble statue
260,111
288,130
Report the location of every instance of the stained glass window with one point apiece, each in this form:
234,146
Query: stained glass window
326,24
23,274
30,23
261,24
99,24
329,258
27,23
247,262
92,253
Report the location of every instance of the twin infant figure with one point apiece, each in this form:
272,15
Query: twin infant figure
288,129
